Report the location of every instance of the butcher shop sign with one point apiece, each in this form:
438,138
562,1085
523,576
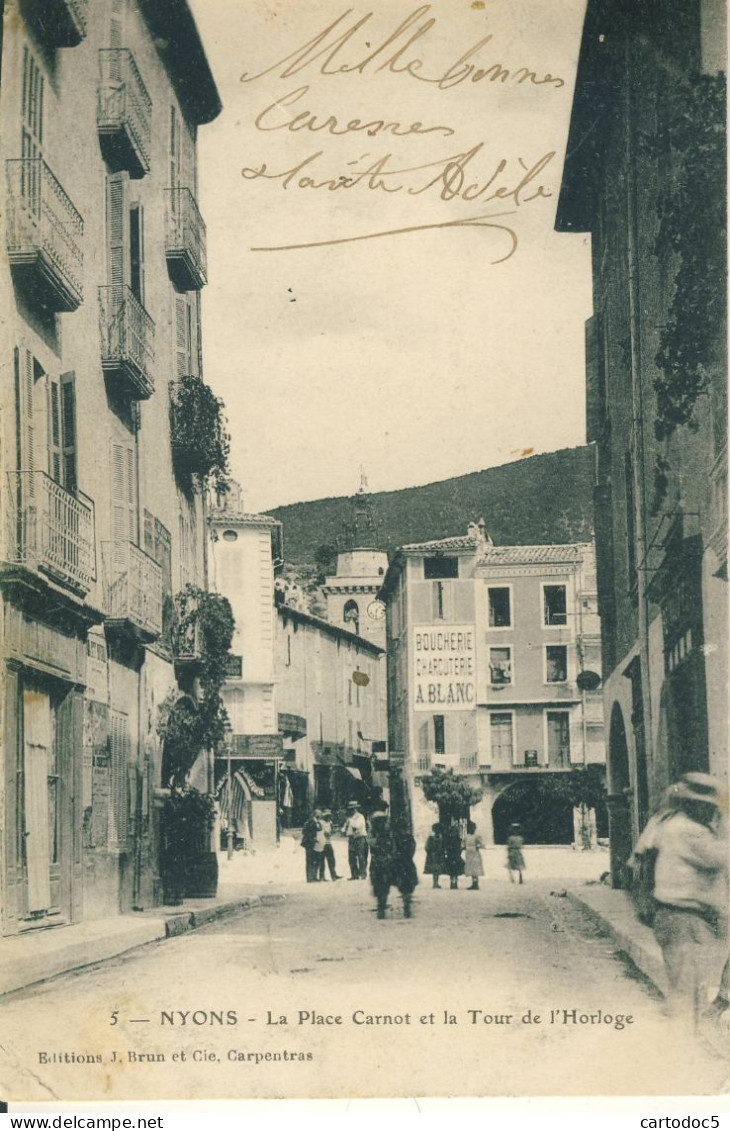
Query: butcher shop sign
444,667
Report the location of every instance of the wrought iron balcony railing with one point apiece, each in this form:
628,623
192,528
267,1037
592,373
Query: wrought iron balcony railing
50,530
63,23
44,235
124,112
132,590
185,240
127,340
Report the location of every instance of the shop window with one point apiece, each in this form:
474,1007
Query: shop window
439,734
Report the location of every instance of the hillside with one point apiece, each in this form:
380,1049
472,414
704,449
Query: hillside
546,498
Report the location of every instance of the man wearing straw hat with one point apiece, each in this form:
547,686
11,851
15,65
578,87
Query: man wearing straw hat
690,888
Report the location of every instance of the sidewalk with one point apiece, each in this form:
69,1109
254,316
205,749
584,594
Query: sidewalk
614,912
38,955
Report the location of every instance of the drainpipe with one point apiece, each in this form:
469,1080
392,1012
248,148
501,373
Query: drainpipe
638,421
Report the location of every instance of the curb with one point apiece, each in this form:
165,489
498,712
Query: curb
140,932
648,963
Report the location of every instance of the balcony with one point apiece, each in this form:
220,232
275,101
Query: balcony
44,235
123,113
132,591
185,240
63,23
50,530
127,341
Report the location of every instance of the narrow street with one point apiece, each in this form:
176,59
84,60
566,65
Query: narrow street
457,991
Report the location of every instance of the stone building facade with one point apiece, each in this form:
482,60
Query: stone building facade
489,650
102,262
648,124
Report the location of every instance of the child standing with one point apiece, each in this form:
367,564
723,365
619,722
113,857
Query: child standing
473,865
435,863
515,858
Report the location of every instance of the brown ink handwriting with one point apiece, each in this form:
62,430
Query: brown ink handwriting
392,54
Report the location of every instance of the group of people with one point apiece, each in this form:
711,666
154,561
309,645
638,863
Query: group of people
450,851
390,851
446,844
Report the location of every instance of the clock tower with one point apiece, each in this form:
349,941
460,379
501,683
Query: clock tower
352,593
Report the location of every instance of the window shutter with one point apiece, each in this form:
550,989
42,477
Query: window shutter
117,226
124,495
119,764
116,23
68,431
54,430
163,555
149,534
25,423
182,351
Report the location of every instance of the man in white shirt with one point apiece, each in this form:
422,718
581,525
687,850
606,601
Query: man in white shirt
690,889
356,831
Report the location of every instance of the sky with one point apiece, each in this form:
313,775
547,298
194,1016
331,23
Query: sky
436,328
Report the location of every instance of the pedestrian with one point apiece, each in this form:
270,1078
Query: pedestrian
435,863
382,864
452,854
309,836
328,852
320,842
689,845
355,829
405,875
473,865
515,856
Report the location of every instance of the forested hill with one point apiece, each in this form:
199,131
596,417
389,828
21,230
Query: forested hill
546,498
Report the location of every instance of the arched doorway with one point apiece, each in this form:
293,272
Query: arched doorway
619,812
545,816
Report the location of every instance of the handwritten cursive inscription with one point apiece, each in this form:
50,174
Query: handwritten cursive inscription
351,46
306,120
395,54
450,177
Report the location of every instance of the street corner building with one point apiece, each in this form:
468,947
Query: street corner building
306,693
103,260
647,130
493,669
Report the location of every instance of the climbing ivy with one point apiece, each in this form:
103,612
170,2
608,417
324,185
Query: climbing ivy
204,633
692,227
200,441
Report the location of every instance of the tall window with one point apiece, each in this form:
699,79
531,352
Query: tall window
500,666
558,738
556,663
501,737
351,615
31,132
500,606
555,606
439,734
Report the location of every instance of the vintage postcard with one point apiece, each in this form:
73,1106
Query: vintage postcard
363,432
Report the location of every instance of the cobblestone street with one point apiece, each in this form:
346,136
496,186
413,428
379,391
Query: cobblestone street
248,1006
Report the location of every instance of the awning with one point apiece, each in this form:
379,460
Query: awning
355,773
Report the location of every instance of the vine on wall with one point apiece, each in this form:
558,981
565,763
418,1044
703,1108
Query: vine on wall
205,628
200,441
691,230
